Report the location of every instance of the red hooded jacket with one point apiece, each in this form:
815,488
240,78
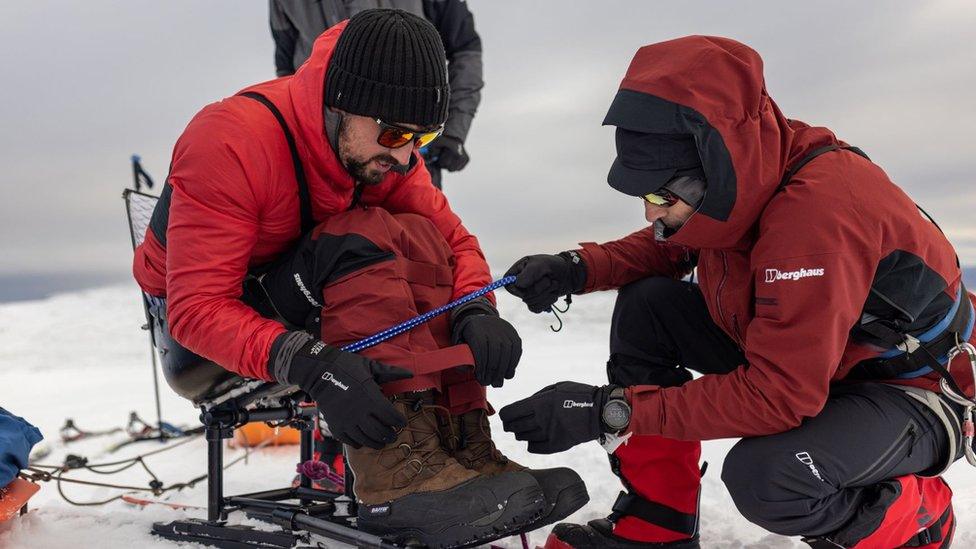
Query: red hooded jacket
234,206
785,273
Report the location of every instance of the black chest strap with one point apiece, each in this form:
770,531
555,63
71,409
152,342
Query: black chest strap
160,217
813,154
304,197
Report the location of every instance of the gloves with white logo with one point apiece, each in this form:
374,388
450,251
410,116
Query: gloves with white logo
558,417
345,387
541,279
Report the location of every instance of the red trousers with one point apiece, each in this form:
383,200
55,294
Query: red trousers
416,278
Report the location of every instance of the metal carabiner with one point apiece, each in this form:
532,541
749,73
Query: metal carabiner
961,347
968,430
968,427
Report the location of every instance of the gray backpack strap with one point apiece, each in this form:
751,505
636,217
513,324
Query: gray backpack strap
946,415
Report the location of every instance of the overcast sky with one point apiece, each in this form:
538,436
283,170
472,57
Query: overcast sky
87,83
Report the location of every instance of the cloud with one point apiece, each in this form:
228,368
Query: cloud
87,84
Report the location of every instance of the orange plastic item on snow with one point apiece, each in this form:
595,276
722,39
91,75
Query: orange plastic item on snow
254,434
14,496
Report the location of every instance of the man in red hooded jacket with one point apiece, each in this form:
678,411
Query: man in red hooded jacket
324,166
826,312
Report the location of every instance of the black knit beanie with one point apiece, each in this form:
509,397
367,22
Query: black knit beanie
389,64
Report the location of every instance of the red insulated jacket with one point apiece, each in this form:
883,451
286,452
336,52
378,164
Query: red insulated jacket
234,205
787,273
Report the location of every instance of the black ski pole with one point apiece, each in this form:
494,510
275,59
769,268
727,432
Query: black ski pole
139,175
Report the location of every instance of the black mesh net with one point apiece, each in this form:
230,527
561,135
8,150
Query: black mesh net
139,206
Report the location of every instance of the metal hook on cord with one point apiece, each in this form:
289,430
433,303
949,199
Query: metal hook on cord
556,310
553,311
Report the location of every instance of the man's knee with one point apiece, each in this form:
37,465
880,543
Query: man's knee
408,245
648,294
628,371
405,234
770,487
639,343
647,308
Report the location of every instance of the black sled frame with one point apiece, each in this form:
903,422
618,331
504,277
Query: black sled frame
304,516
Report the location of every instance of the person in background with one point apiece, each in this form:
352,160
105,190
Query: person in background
295,24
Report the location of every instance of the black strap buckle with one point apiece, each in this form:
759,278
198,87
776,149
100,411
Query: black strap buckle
630,504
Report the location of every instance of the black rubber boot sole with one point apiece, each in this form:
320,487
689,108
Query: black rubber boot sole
565,494
598,534
475,512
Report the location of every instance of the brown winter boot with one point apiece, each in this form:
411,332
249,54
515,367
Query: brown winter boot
468,438
414,490
414,462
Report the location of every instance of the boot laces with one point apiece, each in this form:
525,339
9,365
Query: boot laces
424,450
481,447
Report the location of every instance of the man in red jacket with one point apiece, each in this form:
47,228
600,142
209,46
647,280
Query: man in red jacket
331,154
826,312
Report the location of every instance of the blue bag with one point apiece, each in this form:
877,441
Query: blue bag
17,437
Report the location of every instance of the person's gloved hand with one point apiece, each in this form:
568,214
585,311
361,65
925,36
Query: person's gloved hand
558,417
494,343
448,153
542,279
345,387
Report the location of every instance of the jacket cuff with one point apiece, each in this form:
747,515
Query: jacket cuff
577,270
283,351
480,306
597,265
475,307
646,405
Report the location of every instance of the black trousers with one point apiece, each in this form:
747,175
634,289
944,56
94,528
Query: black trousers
810,480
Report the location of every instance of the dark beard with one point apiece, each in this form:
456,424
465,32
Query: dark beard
358,168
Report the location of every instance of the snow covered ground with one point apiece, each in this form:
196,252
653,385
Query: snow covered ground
82,355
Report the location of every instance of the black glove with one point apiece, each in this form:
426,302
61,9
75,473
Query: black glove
495,344
344,386
558,417
448,153
542,279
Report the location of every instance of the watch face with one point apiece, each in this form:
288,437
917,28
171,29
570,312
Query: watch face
616,414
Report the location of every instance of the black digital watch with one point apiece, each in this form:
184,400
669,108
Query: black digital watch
616,411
